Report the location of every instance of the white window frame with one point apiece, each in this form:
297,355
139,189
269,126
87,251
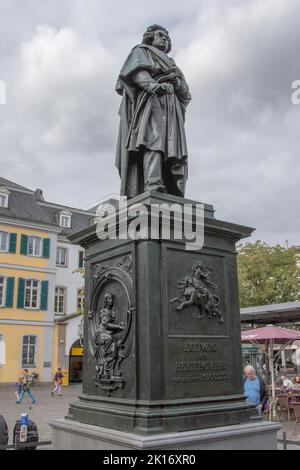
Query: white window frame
38,294
80,298
5,201
56,303
7,241
67,219
2,350
35,253
2,302
66,256
26,365
79,253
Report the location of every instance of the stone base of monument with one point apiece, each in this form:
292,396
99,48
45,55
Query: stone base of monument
162,339
71,435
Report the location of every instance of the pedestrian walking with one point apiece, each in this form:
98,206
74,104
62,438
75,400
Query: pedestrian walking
26,384
35,378
255,388
58,382
19,388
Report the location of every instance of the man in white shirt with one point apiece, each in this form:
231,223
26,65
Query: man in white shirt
286,382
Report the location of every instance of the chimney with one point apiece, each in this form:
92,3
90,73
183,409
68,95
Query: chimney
39,195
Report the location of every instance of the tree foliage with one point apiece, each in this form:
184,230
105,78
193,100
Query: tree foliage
268,274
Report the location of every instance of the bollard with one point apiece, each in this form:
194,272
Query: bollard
3,432
22,436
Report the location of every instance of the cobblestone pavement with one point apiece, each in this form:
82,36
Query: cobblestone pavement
57,407
47,407
287,427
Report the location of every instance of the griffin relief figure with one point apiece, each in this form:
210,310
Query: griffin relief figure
197,289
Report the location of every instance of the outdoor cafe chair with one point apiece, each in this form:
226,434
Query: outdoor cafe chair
283,402
296,407
273,403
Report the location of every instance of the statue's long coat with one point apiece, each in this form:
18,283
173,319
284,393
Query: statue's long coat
149,121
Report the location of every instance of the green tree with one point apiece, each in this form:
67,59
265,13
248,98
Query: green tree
268,274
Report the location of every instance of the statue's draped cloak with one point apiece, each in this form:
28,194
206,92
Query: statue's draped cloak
149,121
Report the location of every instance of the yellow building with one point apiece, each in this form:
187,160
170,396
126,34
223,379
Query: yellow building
30,230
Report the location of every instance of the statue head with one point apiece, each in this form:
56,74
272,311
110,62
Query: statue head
197,267
108,300
199,270
158,37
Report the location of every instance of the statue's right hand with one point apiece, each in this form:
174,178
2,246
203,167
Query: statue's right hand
163,89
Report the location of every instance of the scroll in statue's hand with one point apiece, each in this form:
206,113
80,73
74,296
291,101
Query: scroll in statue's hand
171,77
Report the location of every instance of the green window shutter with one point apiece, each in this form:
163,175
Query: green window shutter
24,244
10,282
44,295
12,243
21,293
46,248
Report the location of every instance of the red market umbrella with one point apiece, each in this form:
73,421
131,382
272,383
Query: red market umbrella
265,338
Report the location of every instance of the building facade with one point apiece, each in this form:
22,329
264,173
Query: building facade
40,281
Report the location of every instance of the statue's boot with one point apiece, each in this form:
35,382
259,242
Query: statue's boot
152,166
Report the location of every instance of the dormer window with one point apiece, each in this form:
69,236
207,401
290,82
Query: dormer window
4,193
3,200
65,219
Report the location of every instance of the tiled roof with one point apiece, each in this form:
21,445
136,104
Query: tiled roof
11,184
32,208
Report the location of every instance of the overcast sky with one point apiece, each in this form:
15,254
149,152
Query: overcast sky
60,60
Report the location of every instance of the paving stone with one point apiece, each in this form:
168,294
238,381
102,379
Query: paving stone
46,408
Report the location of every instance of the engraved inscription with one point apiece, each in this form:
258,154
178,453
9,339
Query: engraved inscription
200,347
199,363
201,377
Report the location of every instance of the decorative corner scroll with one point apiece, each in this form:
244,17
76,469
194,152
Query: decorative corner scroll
196,289
126,265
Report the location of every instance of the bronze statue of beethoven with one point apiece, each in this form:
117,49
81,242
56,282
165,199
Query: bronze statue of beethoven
152,150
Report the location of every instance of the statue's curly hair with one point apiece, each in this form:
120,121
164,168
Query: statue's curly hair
108,294
196,266
201,266
149,35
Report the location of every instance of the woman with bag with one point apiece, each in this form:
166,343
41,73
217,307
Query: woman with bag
58,382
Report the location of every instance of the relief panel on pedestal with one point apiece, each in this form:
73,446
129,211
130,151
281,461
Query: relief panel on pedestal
196,293
198,344
111,322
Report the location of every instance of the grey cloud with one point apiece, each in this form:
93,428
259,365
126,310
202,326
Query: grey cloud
240,58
